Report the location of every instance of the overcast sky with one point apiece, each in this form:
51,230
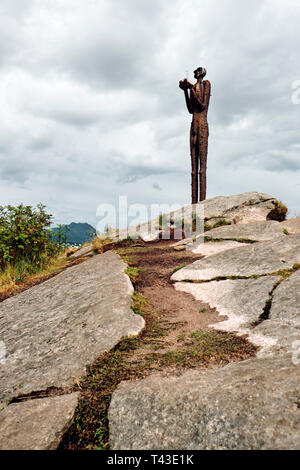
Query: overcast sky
91,108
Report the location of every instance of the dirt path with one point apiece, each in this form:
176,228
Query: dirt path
176,336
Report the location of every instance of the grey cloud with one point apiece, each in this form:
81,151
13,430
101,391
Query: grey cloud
72,151
125,171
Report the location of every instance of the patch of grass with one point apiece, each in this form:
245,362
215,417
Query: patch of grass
16,276
206,347
139,304
221,223
181,337
179,268
239,240
131,260
133,273
203,310
286,232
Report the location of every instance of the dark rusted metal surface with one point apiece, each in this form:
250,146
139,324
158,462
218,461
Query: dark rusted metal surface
197,101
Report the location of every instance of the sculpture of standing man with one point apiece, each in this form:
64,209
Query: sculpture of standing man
197,102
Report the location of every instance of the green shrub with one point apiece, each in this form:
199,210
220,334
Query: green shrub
24,235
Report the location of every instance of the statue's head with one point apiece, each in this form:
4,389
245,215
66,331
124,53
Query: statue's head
200,72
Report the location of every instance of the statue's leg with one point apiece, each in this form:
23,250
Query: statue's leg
203,146
194,163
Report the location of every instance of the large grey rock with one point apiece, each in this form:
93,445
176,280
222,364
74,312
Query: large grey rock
54,330
36,424
292,225
255,259
259,231
240,208
248,405
243,301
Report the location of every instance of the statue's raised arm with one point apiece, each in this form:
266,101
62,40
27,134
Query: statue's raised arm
185,86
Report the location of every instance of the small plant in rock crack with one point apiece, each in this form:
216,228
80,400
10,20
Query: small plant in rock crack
179,268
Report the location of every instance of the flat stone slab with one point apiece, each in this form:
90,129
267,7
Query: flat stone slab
254,259
212,248
249,405
292,225
260,231
242,301
52,331
83,251
36,424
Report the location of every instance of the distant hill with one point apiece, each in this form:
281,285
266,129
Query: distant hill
78,233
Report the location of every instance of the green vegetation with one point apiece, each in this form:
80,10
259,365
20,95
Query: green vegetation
24,236
221,223
279,213
179,268
27,248
285,231
133,273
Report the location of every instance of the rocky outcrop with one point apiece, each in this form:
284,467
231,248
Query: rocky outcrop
54,330
241,208
253,404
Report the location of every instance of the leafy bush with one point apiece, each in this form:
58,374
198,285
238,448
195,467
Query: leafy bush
24,235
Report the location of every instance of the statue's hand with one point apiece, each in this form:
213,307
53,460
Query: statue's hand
183,84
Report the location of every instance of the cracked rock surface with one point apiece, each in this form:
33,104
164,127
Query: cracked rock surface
253,404
260,231
248,405
52,332
245,261
242,301
36,424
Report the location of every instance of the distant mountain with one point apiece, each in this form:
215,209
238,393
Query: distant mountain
78,233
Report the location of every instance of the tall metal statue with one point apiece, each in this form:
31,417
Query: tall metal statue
197,102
